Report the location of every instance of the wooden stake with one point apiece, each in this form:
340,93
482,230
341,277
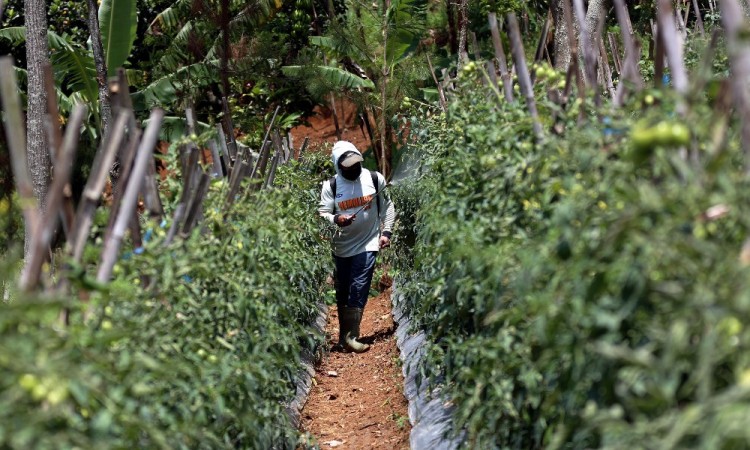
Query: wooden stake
615,53
16,136
524,80
231,143
441,93
144,155
196,205
732,17
54,137
698,18
40,241
500,55
94,186
606,69
303,148
672,45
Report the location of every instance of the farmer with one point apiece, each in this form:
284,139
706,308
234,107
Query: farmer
354,200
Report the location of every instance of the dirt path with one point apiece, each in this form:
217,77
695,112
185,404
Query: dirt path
357,400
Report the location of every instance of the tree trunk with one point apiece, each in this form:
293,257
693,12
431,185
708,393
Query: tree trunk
37,55
224,62
452,34
463,23
105,105
595,12
561,51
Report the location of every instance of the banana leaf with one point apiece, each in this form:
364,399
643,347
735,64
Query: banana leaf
118,21
72,64
165,91
404,20
337,78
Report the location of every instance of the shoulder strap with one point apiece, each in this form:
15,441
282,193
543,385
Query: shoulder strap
332,182
375,183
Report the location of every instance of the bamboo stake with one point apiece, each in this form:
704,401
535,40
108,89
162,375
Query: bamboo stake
270,125
272,170
672,45
144,155
127,155
92,192
732,17
613,47
523,73
194,211
492,72
215,159
500,55
231,143
568,14
630,65
606,69
303,148
41,240
658,58
14,130
54,137
242,168
698,18
228,161
542,44
441,93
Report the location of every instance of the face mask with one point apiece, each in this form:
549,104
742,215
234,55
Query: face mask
352,173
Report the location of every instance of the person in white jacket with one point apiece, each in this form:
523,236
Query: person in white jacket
356,202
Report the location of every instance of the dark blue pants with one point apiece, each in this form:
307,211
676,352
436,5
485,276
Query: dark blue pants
353,278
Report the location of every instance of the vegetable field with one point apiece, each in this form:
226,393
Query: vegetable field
572,245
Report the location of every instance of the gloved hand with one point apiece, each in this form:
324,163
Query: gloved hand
343,220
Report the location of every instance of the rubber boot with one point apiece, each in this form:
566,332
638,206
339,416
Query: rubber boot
350,319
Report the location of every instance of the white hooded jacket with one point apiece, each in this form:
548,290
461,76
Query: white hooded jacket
363,234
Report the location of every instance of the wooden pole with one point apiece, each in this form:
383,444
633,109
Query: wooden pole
672,45
231,143
144,155
303,148
524,80
614,48
215,159
441,93
542,44
698,18
16,136
41,240
54,137
500,55
228,160
606,69
629,70
732,17
194,210
92,192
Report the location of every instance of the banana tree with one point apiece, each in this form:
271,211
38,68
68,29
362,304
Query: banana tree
372,41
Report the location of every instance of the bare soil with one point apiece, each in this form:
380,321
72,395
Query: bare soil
321,130
357,400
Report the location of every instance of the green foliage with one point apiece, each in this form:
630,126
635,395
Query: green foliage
578,297
194,345
117,22
332,75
